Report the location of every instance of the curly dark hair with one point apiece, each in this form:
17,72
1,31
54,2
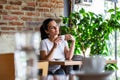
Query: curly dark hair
44,27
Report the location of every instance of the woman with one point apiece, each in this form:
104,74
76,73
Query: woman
53,47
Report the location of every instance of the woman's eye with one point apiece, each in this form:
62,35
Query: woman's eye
52,27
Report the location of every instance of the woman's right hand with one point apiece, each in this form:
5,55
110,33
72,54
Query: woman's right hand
57,41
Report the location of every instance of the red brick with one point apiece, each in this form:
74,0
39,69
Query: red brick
43,9
42,0
49,15
28,8
54,10
3,1
16,23
15,2
8,32
53,1
57,1
20,28
61,1
26,19
31,4
7,28
29,28
60,5
1,7
17,13
21,11
33,24
7,17
39,19
2,12
3,23
32,14
40,10
47,5
12,7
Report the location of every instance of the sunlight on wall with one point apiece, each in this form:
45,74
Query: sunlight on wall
97,7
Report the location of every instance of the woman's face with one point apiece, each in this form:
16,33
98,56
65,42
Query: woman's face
53,28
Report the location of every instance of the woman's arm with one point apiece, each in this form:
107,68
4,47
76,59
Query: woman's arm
48,56
44,56
69,52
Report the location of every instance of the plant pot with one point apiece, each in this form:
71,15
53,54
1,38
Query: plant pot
77,57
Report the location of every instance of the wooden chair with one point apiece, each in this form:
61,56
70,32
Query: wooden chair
43,65
7,69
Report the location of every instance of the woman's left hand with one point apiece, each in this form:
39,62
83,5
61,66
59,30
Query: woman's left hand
69,37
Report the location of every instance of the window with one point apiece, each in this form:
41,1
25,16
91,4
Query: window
83,2
101,7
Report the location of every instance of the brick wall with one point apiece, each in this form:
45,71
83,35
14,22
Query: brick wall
17,15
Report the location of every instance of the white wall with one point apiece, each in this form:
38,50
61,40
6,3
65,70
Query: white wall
7,43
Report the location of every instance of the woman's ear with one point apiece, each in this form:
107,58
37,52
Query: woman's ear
46,31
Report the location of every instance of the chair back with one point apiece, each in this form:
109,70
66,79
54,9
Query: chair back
7,68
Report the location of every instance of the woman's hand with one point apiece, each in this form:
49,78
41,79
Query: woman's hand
57,41
69,51
69,37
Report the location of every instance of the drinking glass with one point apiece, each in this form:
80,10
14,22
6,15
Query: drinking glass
27,50
94,64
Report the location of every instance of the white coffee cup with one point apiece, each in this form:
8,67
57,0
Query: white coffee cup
62,37
94,64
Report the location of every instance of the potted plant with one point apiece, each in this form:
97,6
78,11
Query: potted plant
82,25
91,30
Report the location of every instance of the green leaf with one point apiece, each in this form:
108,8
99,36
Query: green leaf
111,67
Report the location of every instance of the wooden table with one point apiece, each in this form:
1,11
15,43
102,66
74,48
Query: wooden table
65,63
43,65
70,62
